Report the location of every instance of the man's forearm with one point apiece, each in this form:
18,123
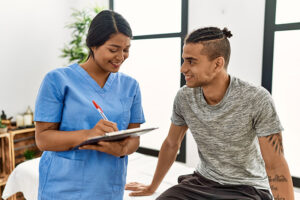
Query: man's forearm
166,158
281,183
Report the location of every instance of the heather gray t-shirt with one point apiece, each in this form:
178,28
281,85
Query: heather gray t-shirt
227,133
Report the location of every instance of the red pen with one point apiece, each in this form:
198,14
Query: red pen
100,110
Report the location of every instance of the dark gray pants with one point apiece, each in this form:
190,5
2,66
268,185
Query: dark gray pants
196,187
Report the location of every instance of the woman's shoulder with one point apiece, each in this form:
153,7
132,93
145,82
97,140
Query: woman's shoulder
61,72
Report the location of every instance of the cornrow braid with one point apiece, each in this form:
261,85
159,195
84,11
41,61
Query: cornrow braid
206,34
214,40
227,33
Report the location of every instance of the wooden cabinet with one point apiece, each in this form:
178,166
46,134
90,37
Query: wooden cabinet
23,141
5,159
15,146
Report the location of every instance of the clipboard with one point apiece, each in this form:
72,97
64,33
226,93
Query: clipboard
117,135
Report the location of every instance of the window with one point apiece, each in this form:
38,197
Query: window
159,28
281,72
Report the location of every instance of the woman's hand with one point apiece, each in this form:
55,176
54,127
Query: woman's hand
102,127
139,189
115,148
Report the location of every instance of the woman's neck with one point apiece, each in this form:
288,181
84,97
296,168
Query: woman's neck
95,71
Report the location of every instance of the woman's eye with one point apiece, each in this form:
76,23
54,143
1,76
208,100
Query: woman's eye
126,50
113,50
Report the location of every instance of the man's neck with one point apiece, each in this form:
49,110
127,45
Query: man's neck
214,92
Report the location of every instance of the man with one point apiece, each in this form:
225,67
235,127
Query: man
234,124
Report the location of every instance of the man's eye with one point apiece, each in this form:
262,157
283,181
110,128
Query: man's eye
189,61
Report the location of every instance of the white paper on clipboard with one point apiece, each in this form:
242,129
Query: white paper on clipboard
117,135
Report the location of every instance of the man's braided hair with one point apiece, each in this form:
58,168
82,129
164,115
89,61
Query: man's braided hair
214,40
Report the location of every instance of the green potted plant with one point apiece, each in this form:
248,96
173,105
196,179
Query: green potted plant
76,50
3,127
29,154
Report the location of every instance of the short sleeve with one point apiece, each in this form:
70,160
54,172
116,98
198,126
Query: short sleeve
137,113
177,117
266,120
49,101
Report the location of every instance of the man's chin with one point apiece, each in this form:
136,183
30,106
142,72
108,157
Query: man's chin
193,85
190,85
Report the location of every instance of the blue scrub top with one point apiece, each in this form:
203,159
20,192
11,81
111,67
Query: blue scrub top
65,97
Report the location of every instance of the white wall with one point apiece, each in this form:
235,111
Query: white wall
245,19
32,34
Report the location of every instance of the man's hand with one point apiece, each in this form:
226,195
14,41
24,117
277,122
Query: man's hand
139,189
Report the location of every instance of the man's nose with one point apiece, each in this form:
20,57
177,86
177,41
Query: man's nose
183,68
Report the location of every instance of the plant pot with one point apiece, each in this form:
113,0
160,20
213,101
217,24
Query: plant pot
3,130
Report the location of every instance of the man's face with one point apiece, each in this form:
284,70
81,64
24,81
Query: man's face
197,68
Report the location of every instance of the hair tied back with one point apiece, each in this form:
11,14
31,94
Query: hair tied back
226,32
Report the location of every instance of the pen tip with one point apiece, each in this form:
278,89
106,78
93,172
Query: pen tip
95,104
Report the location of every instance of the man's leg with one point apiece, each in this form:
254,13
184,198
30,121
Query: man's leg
196,187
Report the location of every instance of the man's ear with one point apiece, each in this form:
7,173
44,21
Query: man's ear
219,63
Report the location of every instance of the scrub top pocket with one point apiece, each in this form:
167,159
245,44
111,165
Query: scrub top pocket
71,172
126,104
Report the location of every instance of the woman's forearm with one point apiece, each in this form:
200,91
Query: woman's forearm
132,145
55,140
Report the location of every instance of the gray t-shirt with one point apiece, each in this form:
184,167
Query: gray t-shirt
227,133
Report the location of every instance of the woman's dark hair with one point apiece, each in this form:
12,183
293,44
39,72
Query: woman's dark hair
103,25
214,41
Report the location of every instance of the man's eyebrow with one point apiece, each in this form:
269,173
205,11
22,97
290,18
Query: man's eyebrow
189,58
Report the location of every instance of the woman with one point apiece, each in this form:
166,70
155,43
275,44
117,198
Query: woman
65,116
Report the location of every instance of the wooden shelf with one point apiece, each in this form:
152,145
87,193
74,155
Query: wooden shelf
5,157
13,145
3,180
22,140
26,130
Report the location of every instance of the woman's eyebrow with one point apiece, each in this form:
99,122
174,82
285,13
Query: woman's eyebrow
117,46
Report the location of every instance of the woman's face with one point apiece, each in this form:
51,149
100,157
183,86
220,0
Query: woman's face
110,56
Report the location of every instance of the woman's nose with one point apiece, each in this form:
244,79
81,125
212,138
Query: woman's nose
120,56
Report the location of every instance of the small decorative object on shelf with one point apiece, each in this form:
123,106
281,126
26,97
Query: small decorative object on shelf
28,116
3,115
3,127
20,121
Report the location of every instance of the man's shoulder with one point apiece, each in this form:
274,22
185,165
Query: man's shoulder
248,89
